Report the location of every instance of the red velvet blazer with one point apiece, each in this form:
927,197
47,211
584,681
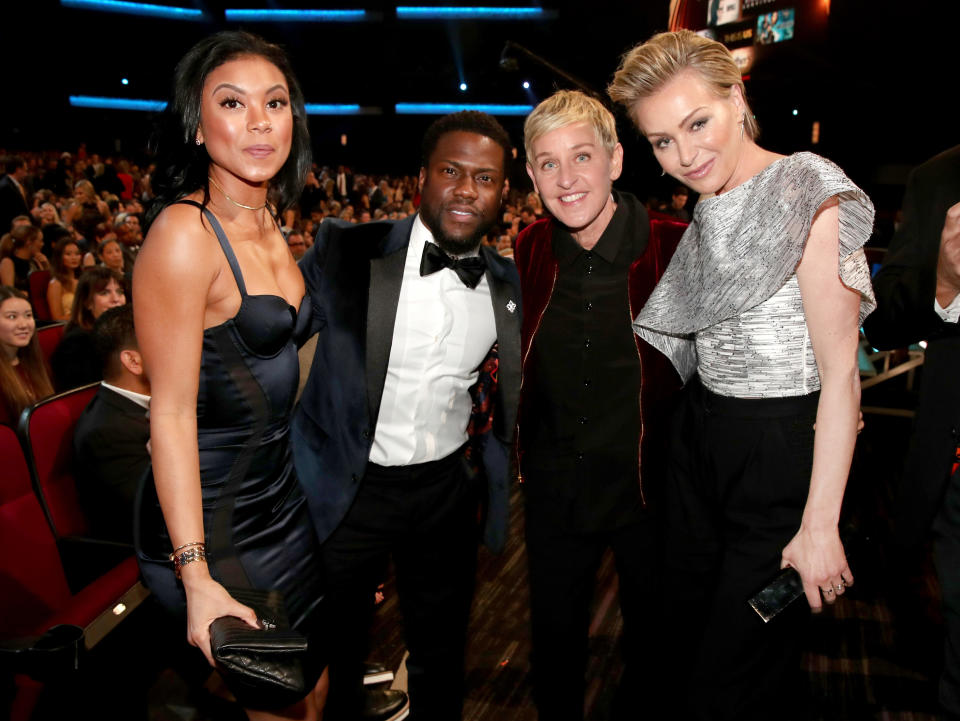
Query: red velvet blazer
658,381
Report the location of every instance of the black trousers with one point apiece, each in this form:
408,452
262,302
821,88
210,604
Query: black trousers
738,483
425,516
946,556
563,569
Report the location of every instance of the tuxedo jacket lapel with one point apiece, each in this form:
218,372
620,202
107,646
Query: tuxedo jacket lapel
386,277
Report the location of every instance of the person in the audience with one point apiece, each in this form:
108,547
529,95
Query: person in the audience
296,244
63,285
763,299
23,374
110,440
75,362
26,255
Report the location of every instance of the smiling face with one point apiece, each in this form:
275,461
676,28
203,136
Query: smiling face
696,135
461,189
574,174
110,297
48,213
245,118
16,325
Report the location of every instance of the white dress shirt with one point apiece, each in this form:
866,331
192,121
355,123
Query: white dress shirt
443,332
951,313
139,398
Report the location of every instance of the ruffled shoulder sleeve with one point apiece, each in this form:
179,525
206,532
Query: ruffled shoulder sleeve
742,247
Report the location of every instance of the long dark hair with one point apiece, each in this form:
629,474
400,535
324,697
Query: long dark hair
67,277
182,165
14,392
92,281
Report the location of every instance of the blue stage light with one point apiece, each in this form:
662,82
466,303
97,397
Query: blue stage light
124,81
415,12
445,108
463,86
275,16
134,8
340,109
526,84
91,101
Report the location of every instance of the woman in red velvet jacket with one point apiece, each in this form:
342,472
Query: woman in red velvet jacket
587,449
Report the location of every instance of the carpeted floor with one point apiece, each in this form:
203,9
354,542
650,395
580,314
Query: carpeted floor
860,663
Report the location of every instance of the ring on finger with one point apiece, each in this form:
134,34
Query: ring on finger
840,586
828,591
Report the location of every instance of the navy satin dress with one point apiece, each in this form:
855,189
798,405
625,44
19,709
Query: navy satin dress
249,373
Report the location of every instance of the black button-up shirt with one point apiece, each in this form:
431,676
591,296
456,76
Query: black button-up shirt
584,420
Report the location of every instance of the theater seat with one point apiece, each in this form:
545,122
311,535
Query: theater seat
49,336
46,434
34,594
39,280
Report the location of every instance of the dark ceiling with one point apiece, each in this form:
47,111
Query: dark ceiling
881,83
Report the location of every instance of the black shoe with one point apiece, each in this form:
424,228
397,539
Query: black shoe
385,705
374,673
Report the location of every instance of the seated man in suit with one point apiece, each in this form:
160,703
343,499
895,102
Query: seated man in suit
407,314
110,441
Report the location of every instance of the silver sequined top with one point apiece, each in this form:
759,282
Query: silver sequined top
729,304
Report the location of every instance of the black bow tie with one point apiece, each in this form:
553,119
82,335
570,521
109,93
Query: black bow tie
470,269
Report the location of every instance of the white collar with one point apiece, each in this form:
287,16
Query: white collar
139,398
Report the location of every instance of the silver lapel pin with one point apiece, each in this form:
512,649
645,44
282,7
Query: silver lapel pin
511,306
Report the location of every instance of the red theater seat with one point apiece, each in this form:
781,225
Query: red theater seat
46,434
34,594
49,336
39,280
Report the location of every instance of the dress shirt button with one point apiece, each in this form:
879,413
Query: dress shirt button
583,420
586,343
589,305
579,457
587,381
354,477
366,434
589,269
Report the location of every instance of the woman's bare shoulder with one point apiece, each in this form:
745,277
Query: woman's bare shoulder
180,241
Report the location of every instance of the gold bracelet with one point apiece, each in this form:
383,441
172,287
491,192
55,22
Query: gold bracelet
185,545
196,553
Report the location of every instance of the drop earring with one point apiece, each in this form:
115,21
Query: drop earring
743,119
200,142
662,172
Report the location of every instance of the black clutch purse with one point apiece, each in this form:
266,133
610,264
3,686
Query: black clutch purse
264,668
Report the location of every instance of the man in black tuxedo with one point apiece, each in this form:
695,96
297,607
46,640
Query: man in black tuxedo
110,441
407,315
13,193
918,298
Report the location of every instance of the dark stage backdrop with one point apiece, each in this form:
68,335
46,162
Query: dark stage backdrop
881,80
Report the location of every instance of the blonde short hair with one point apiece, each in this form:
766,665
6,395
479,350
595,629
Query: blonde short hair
566,107
651,65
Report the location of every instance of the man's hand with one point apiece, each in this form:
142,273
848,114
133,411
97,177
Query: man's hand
948,264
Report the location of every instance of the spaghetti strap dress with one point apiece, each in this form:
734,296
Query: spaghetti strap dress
258,530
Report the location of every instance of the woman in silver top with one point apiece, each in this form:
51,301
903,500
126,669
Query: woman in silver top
763,299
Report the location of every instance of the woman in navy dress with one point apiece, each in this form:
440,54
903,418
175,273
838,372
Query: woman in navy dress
218,313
